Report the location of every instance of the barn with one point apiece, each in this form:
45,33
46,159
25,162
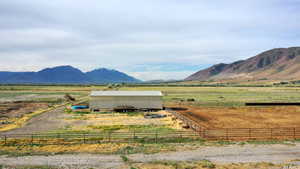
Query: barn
110,100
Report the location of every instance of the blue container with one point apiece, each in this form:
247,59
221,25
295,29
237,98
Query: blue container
79,107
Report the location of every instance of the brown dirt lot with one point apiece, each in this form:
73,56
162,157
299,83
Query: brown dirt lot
17,109
51,120
245,117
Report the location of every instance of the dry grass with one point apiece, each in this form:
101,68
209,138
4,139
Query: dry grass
87,122
105,148
245,117
77,148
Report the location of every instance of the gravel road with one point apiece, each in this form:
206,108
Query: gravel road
225,154
230,154
66,161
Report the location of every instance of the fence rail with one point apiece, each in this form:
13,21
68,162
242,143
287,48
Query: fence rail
103,137
240,133
198,132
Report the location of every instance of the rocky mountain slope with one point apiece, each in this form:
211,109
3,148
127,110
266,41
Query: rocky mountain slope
275,64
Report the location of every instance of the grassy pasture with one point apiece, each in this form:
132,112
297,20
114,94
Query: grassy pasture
204,96
226,96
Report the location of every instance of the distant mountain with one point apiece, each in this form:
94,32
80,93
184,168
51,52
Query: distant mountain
106,76
275,64
161,81
66,75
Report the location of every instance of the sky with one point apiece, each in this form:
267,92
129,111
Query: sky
148,39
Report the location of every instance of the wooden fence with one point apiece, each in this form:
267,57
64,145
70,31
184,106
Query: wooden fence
198,133
240,133
103,137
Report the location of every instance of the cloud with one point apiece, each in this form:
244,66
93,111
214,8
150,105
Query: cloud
151,39
161,75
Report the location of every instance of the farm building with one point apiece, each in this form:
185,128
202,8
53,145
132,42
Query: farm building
111,100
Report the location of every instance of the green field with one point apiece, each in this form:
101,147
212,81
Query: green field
204,96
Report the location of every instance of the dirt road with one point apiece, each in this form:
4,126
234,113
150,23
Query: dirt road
230,154
226,154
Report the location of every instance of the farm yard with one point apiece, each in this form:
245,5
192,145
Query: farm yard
213,107
42,113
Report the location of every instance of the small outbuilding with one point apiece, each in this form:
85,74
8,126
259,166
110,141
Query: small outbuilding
111,100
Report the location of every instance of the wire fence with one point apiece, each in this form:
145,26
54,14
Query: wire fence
240,133
103,137
198,133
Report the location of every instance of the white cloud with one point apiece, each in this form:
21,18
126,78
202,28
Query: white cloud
161,75
125,34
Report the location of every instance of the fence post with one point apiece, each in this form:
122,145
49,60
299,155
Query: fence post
249,133
133,135
294,133
156,136
271,133
109,136
83,138
57,138
31,139
227,136
179,137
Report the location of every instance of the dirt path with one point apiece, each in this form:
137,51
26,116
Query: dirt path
50,120
227,154
67,161
230,154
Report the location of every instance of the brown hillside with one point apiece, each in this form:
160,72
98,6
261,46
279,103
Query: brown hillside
275,64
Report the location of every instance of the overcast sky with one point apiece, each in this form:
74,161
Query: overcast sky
149,39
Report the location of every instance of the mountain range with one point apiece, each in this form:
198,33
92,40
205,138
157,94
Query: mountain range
275,64
66,75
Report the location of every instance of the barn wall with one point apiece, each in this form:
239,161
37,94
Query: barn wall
110,102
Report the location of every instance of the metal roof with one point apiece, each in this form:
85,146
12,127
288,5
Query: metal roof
126,93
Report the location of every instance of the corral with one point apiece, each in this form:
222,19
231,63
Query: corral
244,117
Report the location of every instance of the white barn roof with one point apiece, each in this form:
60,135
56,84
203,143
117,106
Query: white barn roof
126,93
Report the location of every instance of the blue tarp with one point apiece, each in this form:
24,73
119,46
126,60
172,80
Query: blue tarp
79,107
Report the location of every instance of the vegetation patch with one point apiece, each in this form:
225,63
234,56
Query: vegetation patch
105,148
29,167
147,147
136,128
204,164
